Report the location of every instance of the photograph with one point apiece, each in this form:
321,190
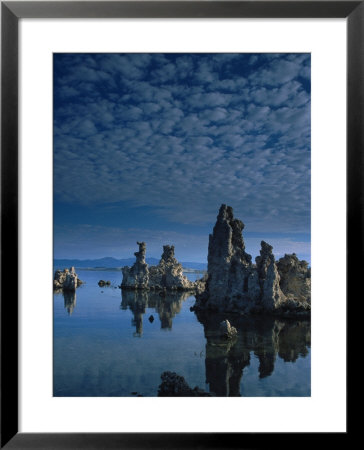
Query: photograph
182,224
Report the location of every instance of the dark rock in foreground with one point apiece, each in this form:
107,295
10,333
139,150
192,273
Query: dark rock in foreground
66,280
234,284
167,275
174,385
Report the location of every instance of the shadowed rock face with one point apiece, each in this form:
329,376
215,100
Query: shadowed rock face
268,278
229,266
67,280
234,284
168,274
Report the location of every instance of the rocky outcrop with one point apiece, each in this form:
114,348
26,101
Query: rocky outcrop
271,295
167,275
295,278
103,283
174,385
137,276
169,272
229,266
235,284
200,285
67,280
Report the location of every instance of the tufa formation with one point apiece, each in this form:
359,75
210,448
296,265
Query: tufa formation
167,275
67,280
235,284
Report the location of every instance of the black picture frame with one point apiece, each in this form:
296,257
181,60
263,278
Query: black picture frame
11,12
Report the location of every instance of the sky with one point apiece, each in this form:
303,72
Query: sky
148,146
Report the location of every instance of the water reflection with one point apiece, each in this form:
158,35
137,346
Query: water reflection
95,353
264,337
165,305
225,360
69,301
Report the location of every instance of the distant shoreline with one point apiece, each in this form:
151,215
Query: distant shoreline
118,269
110,263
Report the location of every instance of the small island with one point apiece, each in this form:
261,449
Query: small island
66,280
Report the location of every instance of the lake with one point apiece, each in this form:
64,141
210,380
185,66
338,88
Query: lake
113,343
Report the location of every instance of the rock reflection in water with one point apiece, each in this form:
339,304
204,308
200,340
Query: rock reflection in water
166,304
264,336
69,301
69,298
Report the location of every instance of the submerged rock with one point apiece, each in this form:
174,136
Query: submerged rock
174,385
226,330
234,284
67,280
103,283
167,275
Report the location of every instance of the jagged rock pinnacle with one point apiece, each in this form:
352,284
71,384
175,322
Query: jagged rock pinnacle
168,274
233,283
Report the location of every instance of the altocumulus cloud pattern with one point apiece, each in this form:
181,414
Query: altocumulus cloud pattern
174,136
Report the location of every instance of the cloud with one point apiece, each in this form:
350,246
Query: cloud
184,133
282,70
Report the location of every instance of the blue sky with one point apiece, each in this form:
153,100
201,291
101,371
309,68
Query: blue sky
148,146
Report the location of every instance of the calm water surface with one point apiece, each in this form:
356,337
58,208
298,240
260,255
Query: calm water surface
111,344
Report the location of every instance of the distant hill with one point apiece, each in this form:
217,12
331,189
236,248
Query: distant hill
110,263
